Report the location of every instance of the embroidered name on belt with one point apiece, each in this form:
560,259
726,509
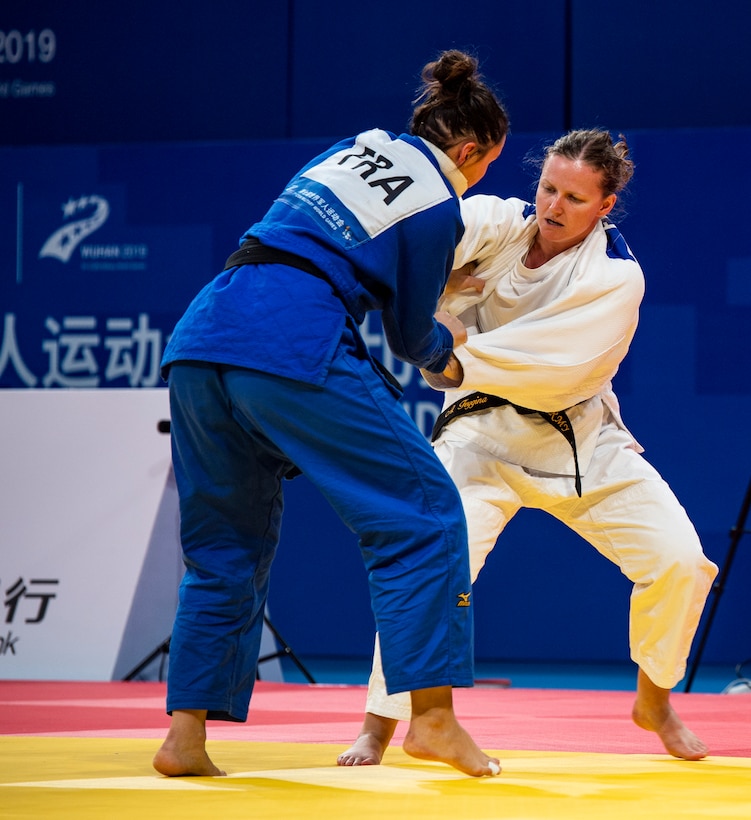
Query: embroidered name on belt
475,402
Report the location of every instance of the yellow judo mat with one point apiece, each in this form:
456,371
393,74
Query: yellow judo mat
95,778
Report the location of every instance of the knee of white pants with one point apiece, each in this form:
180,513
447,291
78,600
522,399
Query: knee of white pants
489,502
484,525
686,564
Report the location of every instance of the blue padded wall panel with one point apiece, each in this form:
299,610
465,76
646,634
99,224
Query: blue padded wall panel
672,64
352,70
142,71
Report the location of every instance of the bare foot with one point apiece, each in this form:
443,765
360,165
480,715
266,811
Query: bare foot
652,711
371,743
174,763
435,734
365,751
183,753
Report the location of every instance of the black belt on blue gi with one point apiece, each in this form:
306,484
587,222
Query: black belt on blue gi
476,402
254,252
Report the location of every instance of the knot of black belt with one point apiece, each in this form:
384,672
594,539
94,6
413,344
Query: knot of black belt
475,402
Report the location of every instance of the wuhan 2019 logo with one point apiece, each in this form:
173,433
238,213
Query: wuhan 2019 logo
78,347
85,215
66,239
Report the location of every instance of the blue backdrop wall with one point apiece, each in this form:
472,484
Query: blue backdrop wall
138,143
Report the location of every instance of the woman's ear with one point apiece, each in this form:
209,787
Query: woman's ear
465,152
608,204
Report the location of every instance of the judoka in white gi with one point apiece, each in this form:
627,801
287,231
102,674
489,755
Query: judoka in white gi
550,295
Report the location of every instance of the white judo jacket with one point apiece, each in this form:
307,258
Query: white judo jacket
550,338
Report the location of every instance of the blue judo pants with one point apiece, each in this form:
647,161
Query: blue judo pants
235,433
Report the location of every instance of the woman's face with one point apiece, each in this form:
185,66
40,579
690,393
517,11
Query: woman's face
569,202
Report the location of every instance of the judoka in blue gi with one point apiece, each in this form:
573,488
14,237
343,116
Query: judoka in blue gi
269,375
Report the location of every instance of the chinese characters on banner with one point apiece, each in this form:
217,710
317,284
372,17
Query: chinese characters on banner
73,347
27,602
78,355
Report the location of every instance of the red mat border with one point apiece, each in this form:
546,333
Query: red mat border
498,718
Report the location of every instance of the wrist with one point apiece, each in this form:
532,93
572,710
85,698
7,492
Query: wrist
451,376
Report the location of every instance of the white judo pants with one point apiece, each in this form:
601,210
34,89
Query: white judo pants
627,512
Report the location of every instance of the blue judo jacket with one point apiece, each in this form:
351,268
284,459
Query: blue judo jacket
378,217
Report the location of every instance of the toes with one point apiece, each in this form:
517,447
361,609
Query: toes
354,760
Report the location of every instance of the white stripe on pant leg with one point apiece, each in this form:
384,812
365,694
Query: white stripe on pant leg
379,702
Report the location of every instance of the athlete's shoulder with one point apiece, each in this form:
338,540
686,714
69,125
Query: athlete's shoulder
616,246
614,260
496,208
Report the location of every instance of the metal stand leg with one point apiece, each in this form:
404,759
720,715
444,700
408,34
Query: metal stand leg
719,585
285,650
162,649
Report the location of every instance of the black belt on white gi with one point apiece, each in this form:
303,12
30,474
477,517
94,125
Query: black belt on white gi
476,402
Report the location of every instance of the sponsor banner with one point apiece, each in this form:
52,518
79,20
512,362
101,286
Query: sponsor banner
87,507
